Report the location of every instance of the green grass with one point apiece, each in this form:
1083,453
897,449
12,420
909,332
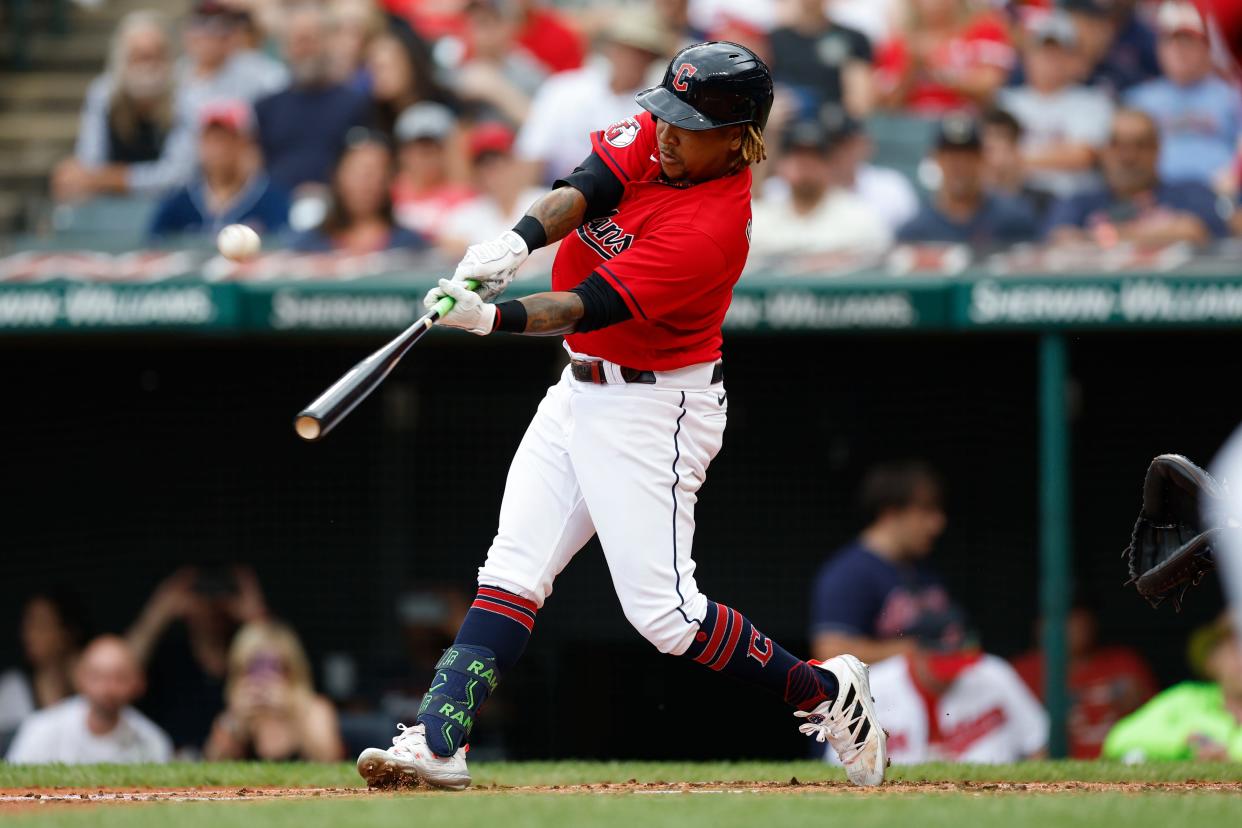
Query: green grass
839,806
257,774
671,811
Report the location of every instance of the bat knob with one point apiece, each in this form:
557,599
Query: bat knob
307,427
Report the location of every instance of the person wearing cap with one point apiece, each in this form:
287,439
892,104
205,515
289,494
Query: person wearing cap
424,192
962,211
1199,113
214,68
1118,48
503,192
571,104
1063,123
1194,719
949,701
132,137
360,217
231,187
886,192
823,61
302,128
1135,205
819,215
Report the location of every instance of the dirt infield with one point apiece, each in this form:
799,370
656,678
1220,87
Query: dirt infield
25,799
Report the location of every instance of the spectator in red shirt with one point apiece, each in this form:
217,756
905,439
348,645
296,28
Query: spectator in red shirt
548,36
1106,683
950,57
425,192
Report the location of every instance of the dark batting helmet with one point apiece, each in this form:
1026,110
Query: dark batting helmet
711,85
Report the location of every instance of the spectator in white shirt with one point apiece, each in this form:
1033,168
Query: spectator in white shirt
819,215
572,105
503,198
886,192
948,701
53,630
1063,124
957,708
98,725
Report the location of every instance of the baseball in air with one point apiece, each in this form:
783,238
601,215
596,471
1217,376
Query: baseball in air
238,242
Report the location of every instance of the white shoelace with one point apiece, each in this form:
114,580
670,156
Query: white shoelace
407,735
835,730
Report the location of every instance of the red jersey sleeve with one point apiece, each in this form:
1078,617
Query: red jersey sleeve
670,275
628,147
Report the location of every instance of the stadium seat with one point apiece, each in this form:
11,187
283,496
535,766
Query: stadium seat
106,222
901,142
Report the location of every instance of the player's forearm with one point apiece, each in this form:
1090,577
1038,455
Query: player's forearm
555,313
560,212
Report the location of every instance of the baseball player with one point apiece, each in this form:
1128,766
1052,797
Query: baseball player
655,226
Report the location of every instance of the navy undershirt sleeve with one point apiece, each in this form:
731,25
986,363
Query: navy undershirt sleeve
600,186
602,305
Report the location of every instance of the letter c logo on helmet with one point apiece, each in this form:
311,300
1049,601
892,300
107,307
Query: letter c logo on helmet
679,80
711,85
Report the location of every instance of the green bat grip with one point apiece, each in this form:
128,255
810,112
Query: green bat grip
446,302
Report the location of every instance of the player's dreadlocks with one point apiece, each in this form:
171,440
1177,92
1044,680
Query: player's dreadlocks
753,150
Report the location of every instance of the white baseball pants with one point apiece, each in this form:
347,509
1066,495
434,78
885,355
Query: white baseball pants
624,461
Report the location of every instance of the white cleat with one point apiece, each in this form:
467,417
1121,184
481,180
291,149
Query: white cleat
848,722
410,761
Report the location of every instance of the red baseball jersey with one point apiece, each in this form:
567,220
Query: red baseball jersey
672,251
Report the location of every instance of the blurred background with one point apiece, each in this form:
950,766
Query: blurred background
999,237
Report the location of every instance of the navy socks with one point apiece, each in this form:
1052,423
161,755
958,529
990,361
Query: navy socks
728,643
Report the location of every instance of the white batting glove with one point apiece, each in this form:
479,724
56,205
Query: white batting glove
493,263
470,312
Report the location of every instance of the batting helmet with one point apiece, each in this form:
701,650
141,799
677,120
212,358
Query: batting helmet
711,85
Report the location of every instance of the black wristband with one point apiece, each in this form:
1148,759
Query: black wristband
511,316
532,232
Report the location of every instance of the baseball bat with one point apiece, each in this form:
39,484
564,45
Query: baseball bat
328,409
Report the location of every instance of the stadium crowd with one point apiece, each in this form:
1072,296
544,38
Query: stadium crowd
368,125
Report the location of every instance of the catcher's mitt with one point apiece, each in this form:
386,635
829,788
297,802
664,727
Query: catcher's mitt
1171,548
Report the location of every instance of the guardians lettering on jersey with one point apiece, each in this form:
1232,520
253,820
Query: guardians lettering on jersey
605,237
